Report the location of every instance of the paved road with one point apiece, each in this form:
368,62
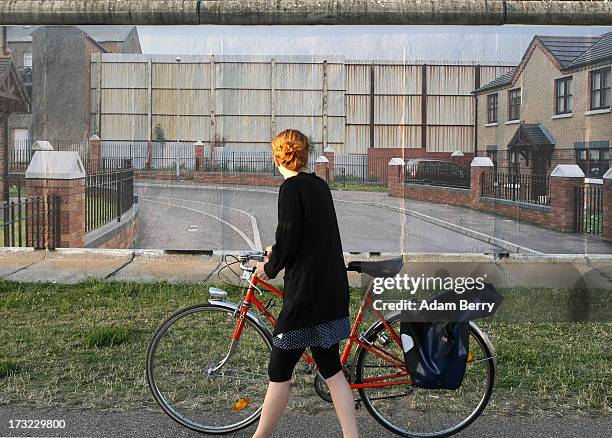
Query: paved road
154,424
184,216
229,218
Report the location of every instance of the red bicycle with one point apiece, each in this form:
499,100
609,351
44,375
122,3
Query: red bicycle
207,364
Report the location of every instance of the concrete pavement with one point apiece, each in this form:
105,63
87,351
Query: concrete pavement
71,266
155,424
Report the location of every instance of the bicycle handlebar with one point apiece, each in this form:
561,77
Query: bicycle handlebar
246,256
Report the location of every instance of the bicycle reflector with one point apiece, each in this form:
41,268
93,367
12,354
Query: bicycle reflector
241,404
470,357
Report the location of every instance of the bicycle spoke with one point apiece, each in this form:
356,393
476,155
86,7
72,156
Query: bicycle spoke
421,412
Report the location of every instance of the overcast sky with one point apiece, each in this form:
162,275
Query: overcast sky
411,43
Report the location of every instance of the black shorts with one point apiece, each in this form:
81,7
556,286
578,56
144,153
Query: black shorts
282,362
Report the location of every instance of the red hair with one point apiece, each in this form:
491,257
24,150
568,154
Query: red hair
290,148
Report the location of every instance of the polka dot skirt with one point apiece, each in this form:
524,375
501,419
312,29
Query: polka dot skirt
322,335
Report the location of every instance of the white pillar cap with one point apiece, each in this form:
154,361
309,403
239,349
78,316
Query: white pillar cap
482,162
42,145
568,171
55,165
94,137
199,143
457,154
328,149
396,162
608,174
321,159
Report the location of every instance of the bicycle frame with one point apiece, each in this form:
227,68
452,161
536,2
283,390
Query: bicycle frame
255,283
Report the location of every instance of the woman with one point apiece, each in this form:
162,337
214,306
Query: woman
316,303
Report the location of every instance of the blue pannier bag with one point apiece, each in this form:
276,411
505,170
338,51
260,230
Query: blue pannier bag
435,353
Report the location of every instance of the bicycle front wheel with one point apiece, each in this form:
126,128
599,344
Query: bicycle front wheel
415,412
202,379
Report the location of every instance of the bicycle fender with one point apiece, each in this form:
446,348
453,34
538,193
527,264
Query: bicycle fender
234,308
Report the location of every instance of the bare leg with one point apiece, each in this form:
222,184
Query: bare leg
273,407
344,403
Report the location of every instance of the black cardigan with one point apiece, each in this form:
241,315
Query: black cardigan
308,247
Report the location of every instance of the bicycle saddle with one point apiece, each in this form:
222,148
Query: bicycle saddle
382,268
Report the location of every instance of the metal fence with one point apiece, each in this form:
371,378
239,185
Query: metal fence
439,173
109,194
239,162
531,189
20,154
31,222
588,217
359,168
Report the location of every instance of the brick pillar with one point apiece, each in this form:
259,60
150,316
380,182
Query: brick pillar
95,154
457,156
322,168
396,178
61,173
479,166
329,154
198,149
607,205
563,182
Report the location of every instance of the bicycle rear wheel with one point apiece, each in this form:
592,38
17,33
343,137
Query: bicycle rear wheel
194,377
415,412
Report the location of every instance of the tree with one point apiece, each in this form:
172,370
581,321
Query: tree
158,134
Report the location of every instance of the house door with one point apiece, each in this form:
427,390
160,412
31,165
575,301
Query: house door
539,180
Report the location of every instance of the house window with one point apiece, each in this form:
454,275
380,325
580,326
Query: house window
593,162
563,95
27,59
514,104
492,105
600,88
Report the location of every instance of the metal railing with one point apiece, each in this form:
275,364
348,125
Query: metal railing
239,162
109,194
530,189
588,214
360,169
31,222
20,152
439,173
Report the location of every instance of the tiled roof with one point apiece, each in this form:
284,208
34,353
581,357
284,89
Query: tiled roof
538,134
567,49
503,80
600,51
570,52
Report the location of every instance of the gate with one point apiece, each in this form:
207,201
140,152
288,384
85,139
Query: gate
588,213
31,222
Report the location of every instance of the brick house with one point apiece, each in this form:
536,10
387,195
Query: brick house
13,98
59,84
553,108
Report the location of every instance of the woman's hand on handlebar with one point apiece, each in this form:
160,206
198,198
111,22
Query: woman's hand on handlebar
259,271
268,252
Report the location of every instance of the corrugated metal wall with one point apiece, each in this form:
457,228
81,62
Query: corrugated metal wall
242,101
